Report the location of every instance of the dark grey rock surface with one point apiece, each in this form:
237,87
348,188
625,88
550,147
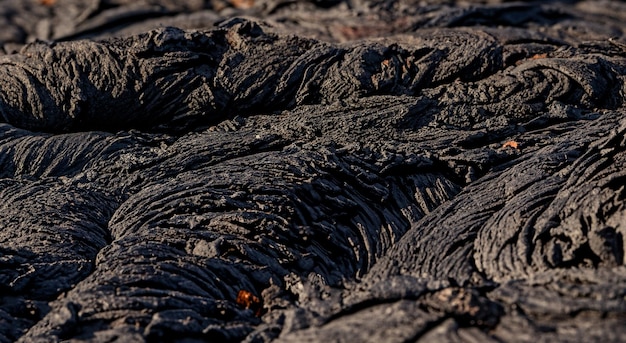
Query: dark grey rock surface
312,171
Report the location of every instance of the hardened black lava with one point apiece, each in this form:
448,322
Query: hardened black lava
312,171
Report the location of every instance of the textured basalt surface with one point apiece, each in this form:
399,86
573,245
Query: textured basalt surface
293,171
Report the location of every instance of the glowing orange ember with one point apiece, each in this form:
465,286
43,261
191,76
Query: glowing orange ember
511,144
249,301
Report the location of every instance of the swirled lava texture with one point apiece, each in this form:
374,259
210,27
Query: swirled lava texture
312,171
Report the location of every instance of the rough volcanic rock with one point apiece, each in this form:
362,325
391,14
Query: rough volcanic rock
312,171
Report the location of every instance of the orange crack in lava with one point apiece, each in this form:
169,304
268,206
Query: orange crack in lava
539,56
242,4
